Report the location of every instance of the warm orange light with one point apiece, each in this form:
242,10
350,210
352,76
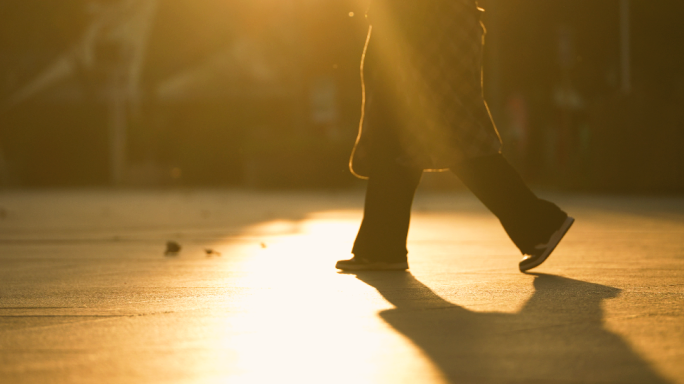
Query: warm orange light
303,320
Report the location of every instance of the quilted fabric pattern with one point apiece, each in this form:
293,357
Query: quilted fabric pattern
423,66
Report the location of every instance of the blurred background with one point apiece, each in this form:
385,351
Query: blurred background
587,95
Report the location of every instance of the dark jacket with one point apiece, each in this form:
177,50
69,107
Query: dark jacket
422,72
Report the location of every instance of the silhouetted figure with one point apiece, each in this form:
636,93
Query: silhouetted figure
424,110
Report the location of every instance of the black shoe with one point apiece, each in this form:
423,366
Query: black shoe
361,264
542,251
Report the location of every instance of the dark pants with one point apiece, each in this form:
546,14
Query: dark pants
527,219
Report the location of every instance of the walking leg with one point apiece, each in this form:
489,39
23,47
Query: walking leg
527,219
387,211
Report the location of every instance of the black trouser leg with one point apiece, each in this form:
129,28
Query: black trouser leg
387,211
527,219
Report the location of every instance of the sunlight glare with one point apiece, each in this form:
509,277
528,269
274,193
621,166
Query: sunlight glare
302,319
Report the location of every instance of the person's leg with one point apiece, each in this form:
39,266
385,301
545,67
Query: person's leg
528,220
381,240
387,211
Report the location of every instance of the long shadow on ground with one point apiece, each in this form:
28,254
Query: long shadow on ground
558,336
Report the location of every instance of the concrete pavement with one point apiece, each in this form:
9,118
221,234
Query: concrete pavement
87,294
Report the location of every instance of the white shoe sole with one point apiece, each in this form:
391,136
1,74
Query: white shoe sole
548,247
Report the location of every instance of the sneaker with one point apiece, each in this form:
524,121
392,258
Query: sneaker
542,251
361,264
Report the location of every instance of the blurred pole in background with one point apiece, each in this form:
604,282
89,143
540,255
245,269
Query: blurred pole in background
625,47
298,86
125,27
116,95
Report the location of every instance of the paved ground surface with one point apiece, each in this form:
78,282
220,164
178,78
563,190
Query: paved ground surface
88,296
